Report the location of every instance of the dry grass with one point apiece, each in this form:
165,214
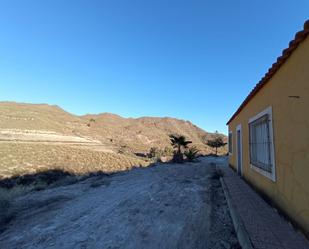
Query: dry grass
23,158
26,167
45,122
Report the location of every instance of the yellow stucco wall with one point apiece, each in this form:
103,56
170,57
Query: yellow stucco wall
290,191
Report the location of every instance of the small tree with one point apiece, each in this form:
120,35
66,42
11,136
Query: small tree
216,143
178,142
191,153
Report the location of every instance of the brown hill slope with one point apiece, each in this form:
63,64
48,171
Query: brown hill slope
140,134
58,138
36,117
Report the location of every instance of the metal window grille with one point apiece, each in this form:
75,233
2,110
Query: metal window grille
230,142
260,143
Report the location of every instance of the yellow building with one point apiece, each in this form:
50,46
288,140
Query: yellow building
269,133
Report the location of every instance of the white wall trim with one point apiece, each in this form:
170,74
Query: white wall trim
272,175
238,128
230,153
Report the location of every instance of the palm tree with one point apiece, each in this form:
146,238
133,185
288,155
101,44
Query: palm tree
179,142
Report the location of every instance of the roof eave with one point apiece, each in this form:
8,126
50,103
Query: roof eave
286,53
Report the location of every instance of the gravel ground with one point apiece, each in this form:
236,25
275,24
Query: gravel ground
163,206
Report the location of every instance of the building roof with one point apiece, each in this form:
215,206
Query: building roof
299,37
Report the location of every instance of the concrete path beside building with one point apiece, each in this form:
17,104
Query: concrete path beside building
258,225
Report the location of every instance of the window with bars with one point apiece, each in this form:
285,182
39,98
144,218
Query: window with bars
261,143
230,142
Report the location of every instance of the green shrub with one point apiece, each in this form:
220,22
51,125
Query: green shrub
191,153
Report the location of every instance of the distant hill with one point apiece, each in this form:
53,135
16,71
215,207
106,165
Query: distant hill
37,117
49,125
141,134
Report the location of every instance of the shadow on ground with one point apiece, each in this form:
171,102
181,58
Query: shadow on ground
163,206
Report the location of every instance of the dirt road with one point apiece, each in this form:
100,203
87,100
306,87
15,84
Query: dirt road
164,206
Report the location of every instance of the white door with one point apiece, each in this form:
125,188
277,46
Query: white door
239,149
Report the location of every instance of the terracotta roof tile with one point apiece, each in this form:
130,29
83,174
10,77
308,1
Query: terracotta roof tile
299,37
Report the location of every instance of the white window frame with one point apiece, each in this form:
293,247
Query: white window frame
232,149
271,175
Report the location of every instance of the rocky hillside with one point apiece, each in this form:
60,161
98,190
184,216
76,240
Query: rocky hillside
37,117
139,135
87,138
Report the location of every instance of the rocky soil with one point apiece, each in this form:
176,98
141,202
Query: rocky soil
163,206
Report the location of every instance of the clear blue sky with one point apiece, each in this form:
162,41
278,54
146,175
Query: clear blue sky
195,60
